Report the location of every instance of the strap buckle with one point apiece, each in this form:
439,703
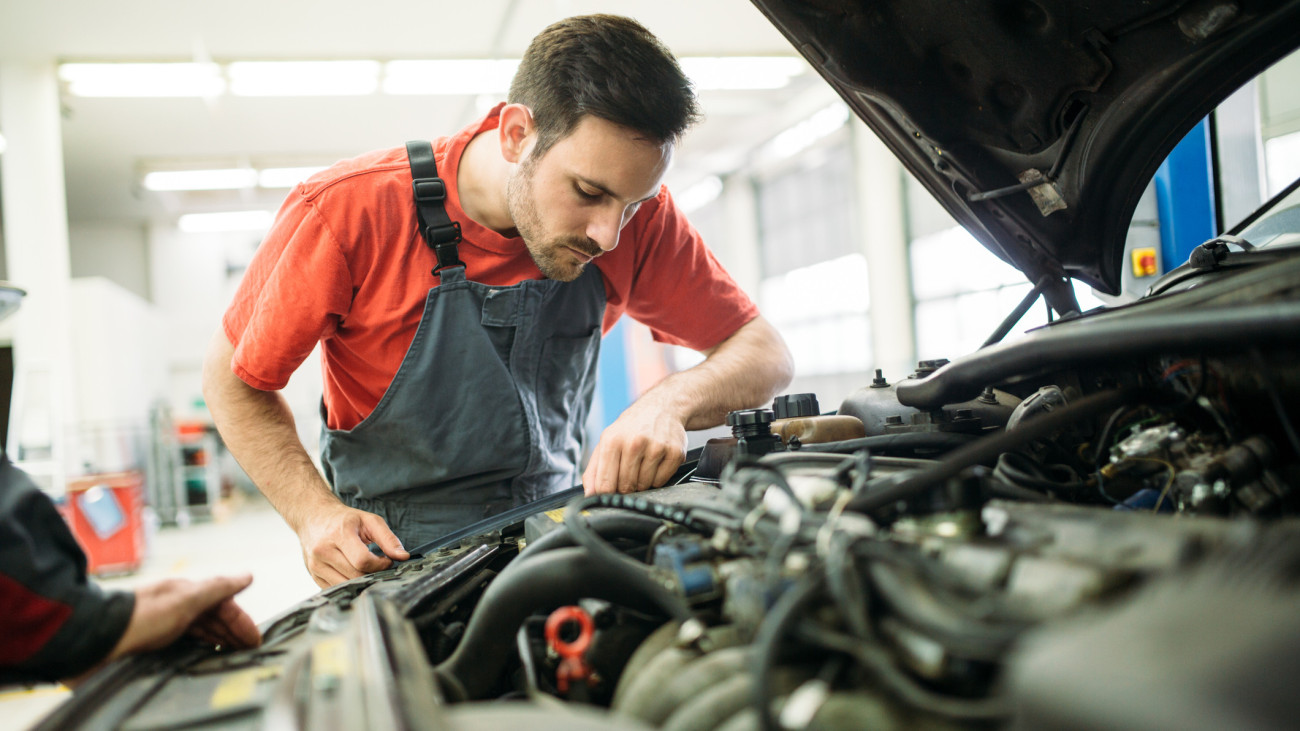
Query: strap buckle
431,190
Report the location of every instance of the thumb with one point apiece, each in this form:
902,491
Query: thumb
211,592
375,530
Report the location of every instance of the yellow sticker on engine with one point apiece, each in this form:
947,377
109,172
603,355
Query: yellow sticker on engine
237,688
329,658
556,515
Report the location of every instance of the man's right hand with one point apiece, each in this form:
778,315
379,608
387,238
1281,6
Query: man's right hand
335,544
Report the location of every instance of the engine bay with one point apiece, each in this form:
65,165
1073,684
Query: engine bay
1066,543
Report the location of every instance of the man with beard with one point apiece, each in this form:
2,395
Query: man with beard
459,291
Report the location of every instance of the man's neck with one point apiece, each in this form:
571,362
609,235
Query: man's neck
481,184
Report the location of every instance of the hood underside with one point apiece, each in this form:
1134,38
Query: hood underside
1038,123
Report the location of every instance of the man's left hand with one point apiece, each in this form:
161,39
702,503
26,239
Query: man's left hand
639,451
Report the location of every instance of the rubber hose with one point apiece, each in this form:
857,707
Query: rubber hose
856,709
658,641
990,448
696,678
767,644
728,705
553,579
963,636
606,525
745,720
1015,492
898,684
634,692
714,706
905,442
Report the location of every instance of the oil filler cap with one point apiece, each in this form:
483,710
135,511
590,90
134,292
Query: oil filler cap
750,421
793,405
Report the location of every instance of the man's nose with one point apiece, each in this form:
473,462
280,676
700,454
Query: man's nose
604,229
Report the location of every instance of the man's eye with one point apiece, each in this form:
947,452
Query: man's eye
588,196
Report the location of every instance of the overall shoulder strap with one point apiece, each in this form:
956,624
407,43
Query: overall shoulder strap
440,232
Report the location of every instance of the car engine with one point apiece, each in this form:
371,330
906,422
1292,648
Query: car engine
913,574
1091,526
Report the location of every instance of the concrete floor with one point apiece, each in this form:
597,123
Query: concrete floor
245,536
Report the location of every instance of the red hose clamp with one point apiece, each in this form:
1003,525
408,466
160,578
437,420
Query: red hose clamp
572,666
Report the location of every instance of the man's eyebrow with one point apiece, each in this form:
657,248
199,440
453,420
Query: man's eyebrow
608,192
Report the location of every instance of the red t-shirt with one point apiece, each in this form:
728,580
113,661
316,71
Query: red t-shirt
344,264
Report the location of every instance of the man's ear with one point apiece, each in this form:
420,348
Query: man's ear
516,132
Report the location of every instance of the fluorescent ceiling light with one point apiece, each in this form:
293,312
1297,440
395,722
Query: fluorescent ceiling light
807,133
303,78
285,177
449,76
227,221
143,79
742,72
700,194
224,179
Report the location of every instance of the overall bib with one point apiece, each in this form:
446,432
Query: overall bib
487,409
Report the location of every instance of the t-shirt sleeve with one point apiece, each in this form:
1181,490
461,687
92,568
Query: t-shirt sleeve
294,293
54,623
679,289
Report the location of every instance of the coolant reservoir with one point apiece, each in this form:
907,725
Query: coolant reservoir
799,416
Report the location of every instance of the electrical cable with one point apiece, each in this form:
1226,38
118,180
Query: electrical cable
777,479
1019,471
846,587
878,662
1168,483
989,448
940,618
608,525
581,532
768,642
1010,491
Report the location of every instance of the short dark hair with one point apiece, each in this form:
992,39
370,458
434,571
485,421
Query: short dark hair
607,66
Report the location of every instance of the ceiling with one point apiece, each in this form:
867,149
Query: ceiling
106,141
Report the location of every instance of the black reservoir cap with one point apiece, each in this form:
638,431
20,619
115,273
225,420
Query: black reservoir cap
789,406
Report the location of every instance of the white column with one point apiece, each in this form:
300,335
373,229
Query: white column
742,251
36,255
881,222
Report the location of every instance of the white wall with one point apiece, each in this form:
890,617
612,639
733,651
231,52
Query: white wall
117,251
118,374
194,277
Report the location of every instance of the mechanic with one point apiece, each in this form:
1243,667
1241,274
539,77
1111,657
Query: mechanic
57,626
459,334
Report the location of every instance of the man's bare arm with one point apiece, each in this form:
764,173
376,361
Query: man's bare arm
258,428
647,443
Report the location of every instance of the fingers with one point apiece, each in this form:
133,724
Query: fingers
360,559
229,625
591,481
627,465
208,593
629,468
607,474
375,529
326,575
165,610
336,546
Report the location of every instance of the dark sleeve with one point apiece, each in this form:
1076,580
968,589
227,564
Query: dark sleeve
54,623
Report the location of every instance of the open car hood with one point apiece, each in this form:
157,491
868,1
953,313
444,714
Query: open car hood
1071,106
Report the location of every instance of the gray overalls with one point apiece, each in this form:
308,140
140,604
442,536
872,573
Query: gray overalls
487,410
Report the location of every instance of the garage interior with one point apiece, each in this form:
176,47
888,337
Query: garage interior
127,267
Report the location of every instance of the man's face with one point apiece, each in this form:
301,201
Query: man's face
570,205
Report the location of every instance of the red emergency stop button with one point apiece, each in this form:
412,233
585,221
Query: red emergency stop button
1144,262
